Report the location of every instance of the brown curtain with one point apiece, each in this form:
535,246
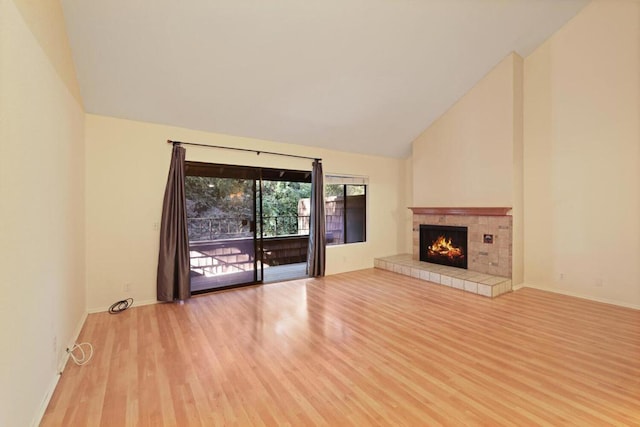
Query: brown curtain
173,258
317,236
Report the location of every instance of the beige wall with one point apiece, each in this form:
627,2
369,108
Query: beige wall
408,202
582,156
42,217
472,155
517,187
46,22
127,165
465,158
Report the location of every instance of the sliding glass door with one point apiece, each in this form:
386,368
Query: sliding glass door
222,208
232,241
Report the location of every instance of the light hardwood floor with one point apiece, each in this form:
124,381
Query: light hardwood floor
363,348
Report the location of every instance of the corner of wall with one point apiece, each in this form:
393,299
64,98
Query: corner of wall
407,225
45,19
518,171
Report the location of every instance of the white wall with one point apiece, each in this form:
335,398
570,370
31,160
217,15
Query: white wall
127,165
582,156
42,293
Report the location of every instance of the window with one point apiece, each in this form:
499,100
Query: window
345,209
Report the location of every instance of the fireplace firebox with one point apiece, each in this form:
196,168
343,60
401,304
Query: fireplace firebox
443,244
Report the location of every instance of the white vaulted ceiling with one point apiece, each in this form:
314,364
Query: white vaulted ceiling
354,75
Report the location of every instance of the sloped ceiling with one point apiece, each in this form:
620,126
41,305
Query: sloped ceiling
364,76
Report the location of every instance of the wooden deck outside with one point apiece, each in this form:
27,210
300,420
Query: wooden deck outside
282,273
278,273
224,263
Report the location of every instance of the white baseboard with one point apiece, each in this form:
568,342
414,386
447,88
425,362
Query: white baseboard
59,368
579,295
518,287
62,363
43,407
136,303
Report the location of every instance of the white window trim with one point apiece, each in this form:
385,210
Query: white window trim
330,179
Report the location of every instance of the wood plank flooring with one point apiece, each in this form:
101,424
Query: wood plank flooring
362,348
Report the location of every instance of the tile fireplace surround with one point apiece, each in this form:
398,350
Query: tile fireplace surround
489,261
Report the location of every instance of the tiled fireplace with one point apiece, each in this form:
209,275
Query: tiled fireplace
483,264
488,232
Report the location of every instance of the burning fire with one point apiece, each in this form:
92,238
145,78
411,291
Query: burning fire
443,247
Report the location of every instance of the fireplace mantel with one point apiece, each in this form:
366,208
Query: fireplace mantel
493,211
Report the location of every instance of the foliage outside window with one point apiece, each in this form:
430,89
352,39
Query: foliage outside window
281,214
222,208
218,208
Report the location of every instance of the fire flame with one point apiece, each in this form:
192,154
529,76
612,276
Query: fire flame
443,247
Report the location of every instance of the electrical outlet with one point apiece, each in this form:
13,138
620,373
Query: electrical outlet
156,226
55,344
561,276
126,287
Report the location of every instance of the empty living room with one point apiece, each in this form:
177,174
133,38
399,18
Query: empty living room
239,213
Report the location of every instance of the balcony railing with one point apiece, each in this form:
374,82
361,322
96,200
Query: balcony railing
285,225
234,227
216,228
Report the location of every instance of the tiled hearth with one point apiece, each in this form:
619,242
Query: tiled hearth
466,280
489,256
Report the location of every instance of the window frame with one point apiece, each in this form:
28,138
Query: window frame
345,181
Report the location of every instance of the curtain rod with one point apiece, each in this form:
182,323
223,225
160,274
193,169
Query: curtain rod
258,152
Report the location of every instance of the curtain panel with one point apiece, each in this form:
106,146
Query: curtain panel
173,281
317,236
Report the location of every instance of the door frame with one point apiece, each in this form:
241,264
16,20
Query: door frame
258,175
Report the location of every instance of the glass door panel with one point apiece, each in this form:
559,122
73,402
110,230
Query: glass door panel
221,221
